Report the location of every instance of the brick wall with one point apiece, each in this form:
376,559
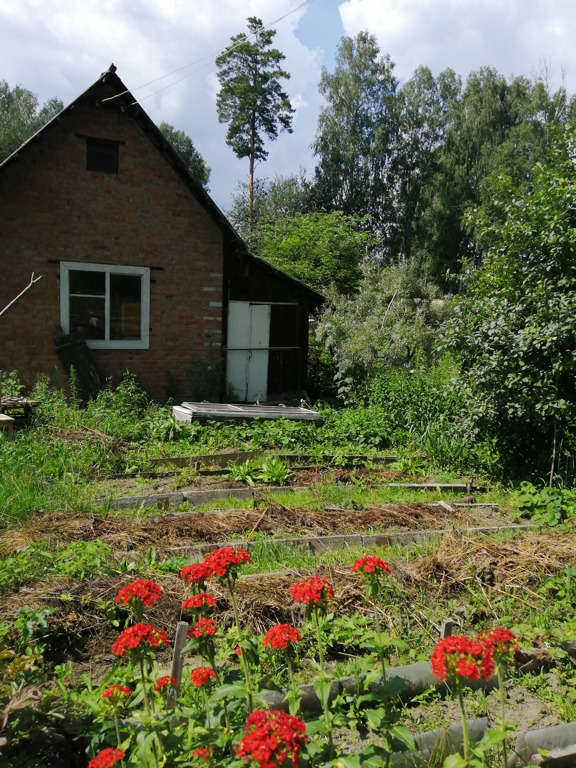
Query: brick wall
52,210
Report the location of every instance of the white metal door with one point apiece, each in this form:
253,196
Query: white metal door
247,354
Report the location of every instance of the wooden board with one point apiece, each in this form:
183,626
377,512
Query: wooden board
190,412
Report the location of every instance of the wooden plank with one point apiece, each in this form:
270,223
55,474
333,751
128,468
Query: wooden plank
189,412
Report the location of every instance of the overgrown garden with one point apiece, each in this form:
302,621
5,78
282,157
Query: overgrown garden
429,518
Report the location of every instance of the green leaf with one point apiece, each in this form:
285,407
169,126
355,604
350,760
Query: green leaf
403,735
323,689
454,761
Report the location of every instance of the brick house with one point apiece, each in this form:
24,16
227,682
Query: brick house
138,261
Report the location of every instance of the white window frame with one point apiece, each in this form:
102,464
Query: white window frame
144,341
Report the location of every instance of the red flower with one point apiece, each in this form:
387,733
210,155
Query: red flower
222,561
202,752
116,692
203,627
201,675
368,565
280,635
272,736
146,591
195,573
106,758
499,643
461,656
199,601
238,651
163,681
139,638
312,590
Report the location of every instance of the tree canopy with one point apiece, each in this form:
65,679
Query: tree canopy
183,145
251,99
21,116
515,327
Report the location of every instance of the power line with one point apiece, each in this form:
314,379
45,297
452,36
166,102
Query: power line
208,59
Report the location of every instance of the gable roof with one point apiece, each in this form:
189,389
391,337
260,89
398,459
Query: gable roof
126,101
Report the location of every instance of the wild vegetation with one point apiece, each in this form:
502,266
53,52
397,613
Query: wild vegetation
439,223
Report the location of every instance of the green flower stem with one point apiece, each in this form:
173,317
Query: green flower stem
212,661
149,704
245,664
117,728
500,671
147,698
327,714
382,662
465,738
206,710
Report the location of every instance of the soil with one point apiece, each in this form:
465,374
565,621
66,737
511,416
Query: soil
190,479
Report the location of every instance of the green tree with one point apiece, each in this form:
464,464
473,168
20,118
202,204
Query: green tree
251,98
516,326
391,321
425,107
182,143
355,131
324,250
271,199
21,116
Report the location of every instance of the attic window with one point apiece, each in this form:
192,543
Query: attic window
102,156
108,305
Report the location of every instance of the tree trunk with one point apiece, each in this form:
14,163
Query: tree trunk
251,173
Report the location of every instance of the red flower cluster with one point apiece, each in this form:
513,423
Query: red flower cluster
201,675
203,752
195,573
199,601
280,635
106,758
501,643
222,560
146,591
271,737
312,590
116,692
461,656
163,681
139,637
203,627
368,565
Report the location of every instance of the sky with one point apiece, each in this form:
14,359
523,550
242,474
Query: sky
58,48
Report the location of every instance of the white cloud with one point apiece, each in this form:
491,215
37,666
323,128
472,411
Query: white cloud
512,36
58,48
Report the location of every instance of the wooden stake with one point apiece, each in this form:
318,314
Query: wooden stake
177,663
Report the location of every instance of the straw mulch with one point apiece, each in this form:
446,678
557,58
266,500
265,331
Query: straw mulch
167,532
523,561
83,631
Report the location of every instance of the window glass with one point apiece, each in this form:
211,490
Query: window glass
87,283
87,316
101,156
125,306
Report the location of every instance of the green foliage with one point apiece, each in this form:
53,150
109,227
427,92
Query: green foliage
354,129
392,321
515,328
271,201
251,99
275,471
182,143
546,505
321,249
10,384
21,116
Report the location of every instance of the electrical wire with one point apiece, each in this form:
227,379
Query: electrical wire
209,59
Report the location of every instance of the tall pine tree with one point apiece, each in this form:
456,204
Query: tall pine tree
251,98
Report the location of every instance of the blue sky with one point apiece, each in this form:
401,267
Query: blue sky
59,48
